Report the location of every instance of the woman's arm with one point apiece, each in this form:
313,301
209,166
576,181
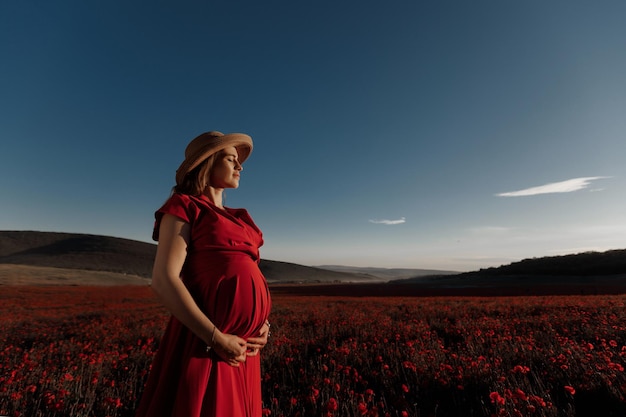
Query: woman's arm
174,235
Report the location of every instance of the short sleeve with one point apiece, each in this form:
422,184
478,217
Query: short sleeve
179,205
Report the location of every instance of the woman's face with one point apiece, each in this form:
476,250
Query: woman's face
226,169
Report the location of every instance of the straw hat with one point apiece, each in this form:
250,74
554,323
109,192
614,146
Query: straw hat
209,143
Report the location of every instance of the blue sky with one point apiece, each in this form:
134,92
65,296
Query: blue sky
428,134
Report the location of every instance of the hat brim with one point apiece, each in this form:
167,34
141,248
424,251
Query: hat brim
240,141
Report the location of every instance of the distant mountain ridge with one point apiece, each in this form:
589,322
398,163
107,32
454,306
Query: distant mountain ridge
83,252
388,273
125,256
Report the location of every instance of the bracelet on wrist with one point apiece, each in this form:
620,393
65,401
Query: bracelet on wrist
209,347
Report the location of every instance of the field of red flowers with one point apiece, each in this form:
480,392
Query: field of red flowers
86,351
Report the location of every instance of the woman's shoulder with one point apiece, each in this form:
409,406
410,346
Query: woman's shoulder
180,205
185,200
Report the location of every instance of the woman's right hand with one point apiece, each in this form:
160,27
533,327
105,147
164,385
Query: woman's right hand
229,347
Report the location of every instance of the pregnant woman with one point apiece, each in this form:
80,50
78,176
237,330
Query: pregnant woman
206,273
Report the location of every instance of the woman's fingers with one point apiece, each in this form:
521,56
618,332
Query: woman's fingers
231,348
257,342
234,349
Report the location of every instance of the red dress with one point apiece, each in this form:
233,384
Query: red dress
222,274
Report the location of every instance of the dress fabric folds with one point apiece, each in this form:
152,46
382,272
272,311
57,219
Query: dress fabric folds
222,273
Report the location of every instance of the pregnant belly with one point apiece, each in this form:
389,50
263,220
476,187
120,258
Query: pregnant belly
231,290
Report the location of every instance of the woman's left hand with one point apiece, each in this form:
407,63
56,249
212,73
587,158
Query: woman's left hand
254,344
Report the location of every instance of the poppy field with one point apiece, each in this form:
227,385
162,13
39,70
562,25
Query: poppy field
86,351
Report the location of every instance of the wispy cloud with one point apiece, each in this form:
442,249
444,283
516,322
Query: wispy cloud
385,221
568,186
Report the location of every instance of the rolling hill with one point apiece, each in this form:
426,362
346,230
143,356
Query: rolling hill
612,262
586,265
93,253
47,258
584,273
77,251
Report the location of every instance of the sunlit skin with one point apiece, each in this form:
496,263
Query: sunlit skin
174,239
226,170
